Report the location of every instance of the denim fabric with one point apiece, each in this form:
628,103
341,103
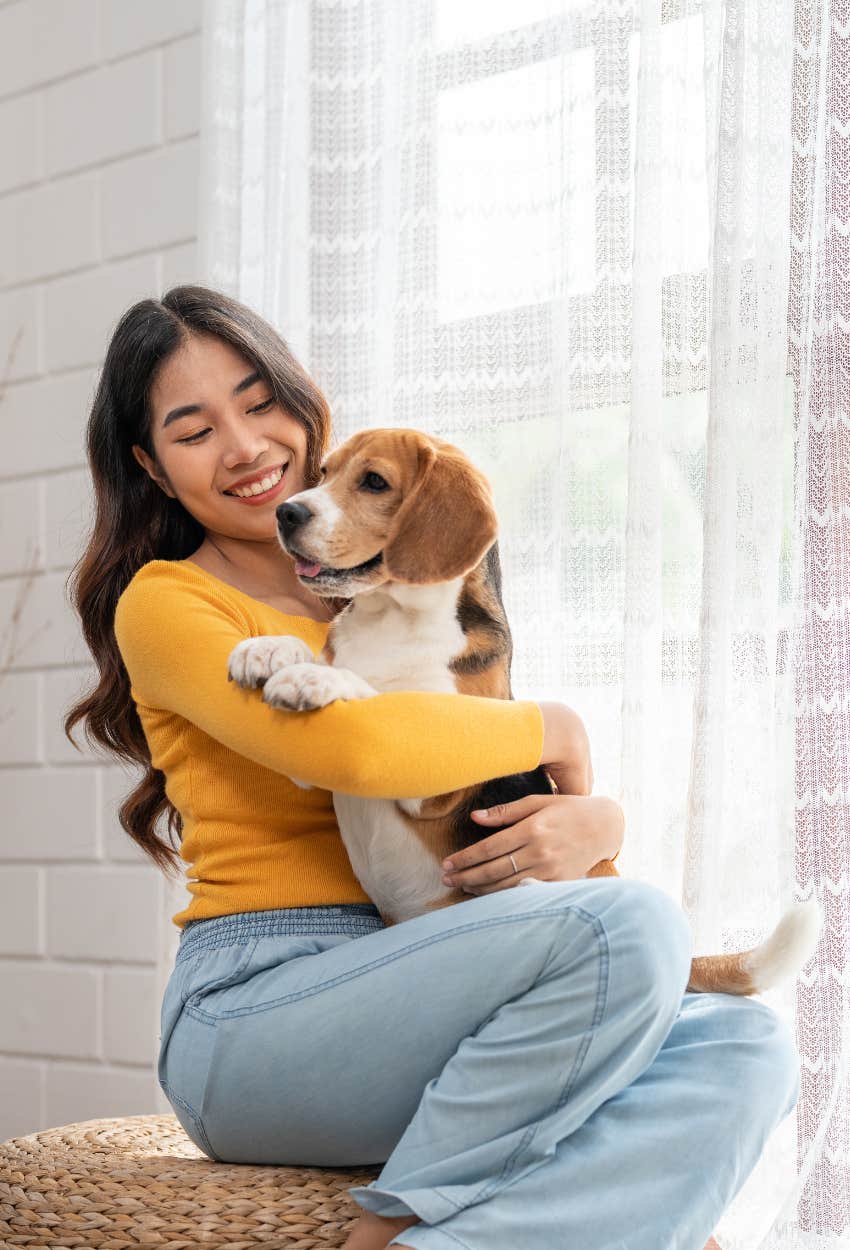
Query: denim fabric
526,1065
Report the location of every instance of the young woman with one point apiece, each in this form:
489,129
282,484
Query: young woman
526,1065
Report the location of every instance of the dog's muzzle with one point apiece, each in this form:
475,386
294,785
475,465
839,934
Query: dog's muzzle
290,517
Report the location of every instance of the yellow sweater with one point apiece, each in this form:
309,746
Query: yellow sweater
252,839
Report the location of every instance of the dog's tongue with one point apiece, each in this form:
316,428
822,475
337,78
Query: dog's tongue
306,568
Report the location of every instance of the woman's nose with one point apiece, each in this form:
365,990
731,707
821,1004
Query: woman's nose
245,450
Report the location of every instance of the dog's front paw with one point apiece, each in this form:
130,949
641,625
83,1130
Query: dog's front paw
253,661
305,687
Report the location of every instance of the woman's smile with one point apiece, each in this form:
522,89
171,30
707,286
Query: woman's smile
262,497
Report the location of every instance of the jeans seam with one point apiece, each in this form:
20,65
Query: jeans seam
578,1063
190,1111
444,1232
472,926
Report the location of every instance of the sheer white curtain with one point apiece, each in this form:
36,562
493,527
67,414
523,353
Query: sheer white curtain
560,234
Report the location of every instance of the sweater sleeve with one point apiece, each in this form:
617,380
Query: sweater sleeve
175,640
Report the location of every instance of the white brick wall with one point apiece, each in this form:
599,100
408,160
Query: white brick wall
99,117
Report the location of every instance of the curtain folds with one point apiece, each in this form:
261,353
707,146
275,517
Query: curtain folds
604,248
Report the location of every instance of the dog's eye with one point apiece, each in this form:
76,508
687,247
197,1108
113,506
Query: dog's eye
374,481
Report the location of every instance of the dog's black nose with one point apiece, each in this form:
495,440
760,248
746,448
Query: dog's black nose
290,516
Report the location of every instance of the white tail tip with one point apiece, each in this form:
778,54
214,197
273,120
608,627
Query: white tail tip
789,947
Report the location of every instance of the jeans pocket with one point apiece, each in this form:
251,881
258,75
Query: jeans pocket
201,1001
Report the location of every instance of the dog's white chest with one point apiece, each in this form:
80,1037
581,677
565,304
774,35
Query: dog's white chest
403,638
396,646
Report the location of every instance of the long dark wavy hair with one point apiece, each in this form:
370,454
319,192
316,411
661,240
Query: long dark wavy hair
135,521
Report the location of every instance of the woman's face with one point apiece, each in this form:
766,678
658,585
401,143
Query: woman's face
235,430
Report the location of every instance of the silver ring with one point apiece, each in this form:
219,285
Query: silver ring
513,861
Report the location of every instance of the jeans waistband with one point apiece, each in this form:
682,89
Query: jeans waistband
356,919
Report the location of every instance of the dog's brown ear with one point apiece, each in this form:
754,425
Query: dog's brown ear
446,524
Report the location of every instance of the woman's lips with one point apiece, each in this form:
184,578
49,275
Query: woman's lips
266,495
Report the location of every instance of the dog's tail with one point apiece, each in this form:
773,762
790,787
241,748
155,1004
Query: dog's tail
789,947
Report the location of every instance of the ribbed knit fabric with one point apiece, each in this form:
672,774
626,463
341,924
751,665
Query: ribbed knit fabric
252,840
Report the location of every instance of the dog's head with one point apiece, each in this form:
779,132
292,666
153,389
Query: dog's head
393,506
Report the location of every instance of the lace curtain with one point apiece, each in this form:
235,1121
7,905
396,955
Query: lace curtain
601,247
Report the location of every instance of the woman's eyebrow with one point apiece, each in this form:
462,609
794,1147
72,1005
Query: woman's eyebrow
188,409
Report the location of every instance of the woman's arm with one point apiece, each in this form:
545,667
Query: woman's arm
566,749
175,639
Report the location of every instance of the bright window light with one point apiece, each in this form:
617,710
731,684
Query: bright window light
459,21
509,232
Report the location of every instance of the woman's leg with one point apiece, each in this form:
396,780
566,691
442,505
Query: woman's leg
655,1166
462,1047
467,1041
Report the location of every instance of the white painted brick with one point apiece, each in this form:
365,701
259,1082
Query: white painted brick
21,141
76,1093
49,230
20,911
45,39
117,783
20,719
130,1031
48,631
82,311
180,265
17,55
69,513
105,914
21,537
21,345
22,1083
151,200
65,37
109,112
49,1011
49,420
183,88
48,813
128,26
63,687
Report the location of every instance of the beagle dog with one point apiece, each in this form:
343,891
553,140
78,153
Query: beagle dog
402,526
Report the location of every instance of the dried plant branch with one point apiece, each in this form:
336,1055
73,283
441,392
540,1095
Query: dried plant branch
9,651
11,629
10,360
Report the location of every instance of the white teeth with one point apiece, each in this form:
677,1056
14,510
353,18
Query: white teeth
258,487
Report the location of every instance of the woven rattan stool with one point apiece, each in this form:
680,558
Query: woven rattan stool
139,1181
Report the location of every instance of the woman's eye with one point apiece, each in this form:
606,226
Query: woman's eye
374,481
263,407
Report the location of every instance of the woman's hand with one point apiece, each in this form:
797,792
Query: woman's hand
552,837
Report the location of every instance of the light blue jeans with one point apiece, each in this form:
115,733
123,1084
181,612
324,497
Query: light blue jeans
526,1064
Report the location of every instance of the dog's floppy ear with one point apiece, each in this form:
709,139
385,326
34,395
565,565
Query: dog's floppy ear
447,522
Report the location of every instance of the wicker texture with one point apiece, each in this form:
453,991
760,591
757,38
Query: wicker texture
139,1181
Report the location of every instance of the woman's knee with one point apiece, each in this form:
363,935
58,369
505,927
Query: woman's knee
645,928
657,926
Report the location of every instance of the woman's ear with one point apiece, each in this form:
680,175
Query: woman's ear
150,467
446,524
